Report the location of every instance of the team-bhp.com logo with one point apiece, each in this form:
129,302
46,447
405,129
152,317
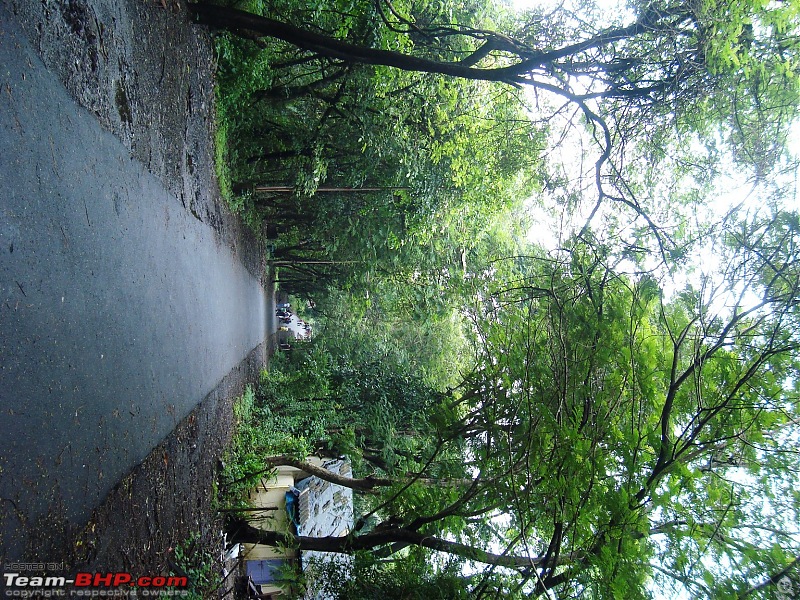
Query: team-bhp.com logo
91,584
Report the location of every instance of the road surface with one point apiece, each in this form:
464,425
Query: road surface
119,311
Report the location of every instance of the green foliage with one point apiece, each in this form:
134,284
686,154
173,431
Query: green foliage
411,578
260,433
660,420
243,407
605,430
569,409
200,566
221,164
305,122
317,400
347,404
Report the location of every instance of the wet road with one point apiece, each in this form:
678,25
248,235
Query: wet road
119,311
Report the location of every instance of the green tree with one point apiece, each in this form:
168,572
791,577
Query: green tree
610,440
412,578
354,166
606,434
685,67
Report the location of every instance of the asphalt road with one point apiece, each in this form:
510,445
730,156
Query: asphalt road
119,311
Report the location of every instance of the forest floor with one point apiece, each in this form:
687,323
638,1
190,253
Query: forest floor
146,73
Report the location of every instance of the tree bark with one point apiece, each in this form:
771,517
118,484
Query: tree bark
366,484
248,534
237,20
294,92
530,60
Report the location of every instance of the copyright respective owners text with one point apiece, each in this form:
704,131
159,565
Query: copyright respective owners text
48,580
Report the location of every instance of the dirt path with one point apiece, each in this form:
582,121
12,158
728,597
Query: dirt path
129,293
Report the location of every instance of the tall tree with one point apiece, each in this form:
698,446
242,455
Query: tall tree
685,67
612,434
612,439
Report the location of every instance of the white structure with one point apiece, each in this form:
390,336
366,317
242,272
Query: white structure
322,509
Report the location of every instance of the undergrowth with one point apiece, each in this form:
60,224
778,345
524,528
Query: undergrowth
221,162
199,566
265,429
237,76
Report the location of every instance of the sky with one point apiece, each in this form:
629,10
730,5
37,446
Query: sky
730,190
551,225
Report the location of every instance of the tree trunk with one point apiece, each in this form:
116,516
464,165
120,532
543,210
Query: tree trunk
650,23
237,20
367,484
248,534
298,91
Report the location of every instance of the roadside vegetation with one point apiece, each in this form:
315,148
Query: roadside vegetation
599,401
200,567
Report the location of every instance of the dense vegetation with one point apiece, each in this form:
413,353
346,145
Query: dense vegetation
611,414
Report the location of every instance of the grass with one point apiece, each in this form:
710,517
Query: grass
243,407
239,203
230,90
221,164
